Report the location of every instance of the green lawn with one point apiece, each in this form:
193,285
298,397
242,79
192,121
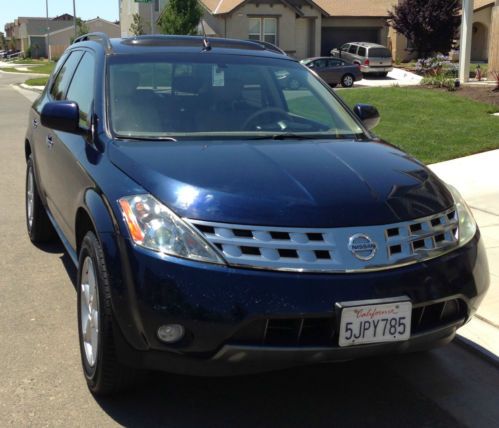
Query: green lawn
45,68
40,81
432,125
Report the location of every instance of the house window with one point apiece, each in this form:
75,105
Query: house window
263,29
156,5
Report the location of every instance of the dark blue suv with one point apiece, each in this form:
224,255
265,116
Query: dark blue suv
225,221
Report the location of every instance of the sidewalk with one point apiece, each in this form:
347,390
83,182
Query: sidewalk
477,178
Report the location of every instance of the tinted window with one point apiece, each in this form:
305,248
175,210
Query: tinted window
379,53
82,88
362,51
63,79
352,49
320,63
334,63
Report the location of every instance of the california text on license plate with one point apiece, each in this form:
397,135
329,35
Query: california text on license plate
383,322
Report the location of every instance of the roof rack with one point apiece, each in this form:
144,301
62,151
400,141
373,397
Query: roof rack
269,46
101,38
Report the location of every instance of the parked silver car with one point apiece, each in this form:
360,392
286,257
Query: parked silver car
372,58
334,71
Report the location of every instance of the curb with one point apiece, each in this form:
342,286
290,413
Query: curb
478,350
38,89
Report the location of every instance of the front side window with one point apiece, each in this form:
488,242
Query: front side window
82,89
263,29
225,96
63,79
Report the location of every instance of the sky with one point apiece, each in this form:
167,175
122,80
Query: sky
85,9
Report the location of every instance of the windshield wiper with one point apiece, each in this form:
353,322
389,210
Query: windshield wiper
147,138
285,136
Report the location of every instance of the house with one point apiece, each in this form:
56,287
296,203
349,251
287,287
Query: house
304,28
31,33
26,31
153,9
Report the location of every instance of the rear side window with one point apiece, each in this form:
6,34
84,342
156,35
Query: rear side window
379,53
81,90
64,77
352,49
362,51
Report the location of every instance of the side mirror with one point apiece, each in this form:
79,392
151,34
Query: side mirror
61,116
368,114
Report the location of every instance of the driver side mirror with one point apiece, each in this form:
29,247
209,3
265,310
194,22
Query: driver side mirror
368,114
61,116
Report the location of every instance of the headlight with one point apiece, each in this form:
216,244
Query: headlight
154,226
467,223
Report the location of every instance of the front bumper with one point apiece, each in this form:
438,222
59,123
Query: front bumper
216,304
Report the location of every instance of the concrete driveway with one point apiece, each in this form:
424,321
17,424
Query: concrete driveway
477,178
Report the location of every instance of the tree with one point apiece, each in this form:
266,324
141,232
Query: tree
81,29
137,26
181,17
3,42
430,25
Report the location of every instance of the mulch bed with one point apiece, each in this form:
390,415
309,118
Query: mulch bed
484,94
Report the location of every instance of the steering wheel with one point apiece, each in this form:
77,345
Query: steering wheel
266,110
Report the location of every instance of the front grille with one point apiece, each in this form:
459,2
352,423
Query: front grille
326,249
322,331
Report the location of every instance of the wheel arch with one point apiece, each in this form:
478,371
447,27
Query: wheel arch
93,216
27,149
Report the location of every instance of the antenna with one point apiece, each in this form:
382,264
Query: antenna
206,42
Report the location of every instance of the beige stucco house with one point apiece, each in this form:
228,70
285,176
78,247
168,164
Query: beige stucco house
305,28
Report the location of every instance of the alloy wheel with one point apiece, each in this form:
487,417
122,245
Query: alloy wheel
89,311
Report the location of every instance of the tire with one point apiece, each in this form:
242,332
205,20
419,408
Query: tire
382,74
104,374
347,81
333,85
38,225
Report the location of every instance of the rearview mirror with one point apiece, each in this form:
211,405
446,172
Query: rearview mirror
368,114
61,116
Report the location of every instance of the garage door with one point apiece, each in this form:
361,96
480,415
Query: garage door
333,37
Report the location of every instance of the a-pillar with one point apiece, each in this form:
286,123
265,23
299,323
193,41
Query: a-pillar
465,41
494,39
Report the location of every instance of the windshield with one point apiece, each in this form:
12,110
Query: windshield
206,95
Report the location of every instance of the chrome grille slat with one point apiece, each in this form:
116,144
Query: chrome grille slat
267,247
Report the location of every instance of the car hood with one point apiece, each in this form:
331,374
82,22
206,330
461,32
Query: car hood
315,183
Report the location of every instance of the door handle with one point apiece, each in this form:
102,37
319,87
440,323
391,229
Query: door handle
35,123
49,141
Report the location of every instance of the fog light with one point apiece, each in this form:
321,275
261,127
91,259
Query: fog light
171,333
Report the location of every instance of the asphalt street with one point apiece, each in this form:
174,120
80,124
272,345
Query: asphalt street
41,383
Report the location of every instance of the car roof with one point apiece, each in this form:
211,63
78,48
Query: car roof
367,44
177,44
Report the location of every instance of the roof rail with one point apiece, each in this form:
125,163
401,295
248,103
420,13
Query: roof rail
269,46
101,38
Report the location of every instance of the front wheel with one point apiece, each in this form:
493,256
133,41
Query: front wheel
103,372
347,81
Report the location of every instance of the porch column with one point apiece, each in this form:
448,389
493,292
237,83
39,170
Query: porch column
494,39
465,40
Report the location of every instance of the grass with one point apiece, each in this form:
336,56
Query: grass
429,124
45,68
40,81
29,61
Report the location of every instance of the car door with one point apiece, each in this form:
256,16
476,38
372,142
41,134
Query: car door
352,54
335,70
41,143
343,51
67,179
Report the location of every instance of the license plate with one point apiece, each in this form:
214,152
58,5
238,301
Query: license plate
373,323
